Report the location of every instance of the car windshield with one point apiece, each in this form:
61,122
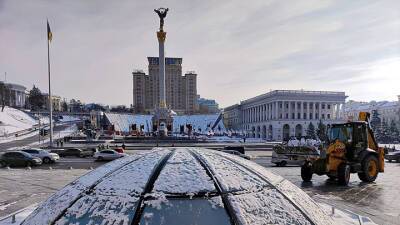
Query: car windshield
341,133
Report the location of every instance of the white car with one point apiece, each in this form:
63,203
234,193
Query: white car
44,155
108,155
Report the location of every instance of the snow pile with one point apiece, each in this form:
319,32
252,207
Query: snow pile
14,120
304,143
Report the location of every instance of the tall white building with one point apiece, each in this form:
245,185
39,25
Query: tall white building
180,90
280,114
388,111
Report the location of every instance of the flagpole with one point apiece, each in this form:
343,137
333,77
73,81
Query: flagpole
50,100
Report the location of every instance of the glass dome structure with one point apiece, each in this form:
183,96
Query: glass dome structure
179,186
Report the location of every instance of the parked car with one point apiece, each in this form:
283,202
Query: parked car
119,149
44,155
19,158
72,152
233,152
55,150
108,155
393,156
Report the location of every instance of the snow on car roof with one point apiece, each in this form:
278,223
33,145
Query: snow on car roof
175,185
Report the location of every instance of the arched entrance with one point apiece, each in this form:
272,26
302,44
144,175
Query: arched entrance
264,132
286,132
299,131
270,132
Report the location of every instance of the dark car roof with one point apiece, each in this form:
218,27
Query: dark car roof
24,153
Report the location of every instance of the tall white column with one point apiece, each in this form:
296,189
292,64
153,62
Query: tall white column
295,110
161,39
302,110
320,110
314,110
269,111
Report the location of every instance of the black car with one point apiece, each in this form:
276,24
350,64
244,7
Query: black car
71,152
395,156
19,158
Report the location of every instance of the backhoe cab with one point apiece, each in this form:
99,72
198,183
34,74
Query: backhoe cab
351,149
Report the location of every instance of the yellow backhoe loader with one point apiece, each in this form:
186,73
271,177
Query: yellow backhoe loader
352,149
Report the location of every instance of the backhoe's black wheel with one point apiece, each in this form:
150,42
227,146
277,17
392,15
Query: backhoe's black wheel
306,172
343,173
369,169
331,177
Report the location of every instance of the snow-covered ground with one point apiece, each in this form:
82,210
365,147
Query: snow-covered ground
14,120
67,118
56,135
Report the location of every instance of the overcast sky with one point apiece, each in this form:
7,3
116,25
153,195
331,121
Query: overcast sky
238,48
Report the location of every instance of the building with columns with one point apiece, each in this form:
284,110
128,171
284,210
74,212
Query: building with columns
388,111
16,96
281,114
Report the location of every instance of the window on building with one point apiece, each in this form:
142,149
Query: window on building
298,116
293,116
311,116
323,116
304,115
316,116
323,106
329,106
329,116
287,116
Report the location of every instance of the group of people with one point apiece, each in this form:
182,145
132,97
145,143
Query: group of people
59,143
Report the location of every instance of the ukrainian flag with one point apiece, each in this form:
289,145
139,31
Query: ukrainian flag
49,34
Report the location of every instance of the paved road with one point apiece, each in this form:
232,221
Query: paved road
379,200
29,140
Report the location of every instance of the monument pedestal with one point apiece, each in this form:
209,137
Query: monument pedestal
163,121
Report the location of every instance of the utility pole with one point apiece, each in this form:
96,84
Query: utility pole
39,127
